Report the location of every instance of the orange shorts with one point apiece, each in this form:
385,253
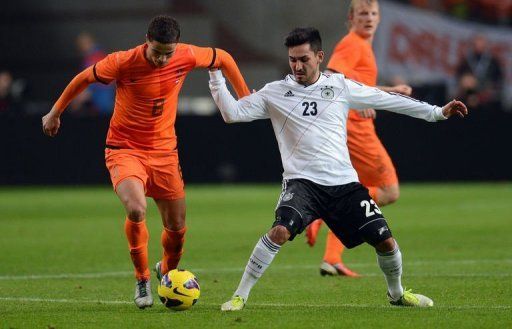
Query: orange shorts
160,172
369,157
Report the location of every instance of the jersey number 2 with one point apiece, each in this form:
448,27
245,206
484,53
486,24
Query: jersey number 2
368,205
158,107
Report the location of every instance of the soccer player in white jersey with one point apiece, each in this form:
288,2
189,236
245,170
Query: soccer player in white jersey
307,109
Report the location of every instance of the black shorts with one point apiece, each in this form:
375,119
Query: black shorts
348,210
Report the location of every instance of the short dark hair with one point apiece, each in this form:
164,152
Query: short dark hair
164,29
302,35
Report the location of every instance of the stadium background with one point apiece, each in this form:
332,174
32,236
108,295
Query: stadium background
38,48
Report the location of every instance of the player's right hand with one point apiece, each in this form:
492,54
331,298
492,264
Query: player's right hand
51,124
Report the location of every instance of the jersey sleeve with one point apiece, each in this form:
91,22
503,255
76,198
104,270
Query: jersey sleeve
361,97
75,87
204,56
218,58
344,59
249,108
107,70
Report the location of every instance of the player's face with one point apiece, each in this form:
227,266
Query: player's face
365,19
305,63
158,53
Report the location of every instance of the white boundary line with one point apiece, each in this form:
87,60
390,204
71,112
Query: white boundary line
238,269
273,305
283,268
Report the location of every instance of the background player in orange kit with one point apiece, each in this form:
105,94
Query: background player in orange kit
353,56
141,147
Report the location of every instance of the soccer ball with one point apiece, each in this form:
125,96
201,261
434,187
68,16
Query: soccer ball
179,290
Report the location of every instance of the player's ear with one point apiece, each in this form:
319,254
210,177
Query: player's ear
320,56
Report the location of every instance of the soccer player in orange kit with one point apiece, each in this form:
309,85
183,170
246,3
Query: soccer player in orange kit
353,56
141,147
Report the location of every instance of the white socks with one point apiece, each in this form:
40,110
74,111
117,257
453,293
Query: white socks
391,265
261,257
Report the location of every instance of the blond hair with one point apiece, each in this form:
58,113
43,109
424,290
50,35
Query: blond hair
353,4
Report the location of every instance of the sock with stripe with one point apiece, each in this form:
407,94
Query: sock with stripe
391,265
138,236
261,257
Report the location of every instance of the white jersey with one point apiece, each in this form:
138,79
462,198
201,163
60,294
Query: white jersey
310,122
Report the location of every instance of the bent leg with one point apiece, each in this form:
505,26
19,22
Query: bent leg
173,234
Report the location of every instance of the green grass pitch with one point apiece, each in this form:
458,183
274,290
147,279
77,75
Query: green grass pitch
64,262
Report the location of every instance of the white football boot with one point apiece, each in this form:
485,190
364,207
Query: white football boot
143,297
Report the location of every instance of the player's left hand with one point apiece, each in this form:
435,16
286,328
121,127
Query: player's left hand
455,107
367,114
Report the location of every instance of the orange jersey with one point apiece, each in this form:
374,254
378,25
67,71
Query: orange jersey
147,96
353,56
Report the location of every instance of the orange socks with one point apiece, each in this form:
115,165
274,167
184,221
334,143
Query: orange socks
172,241
138,236
333,249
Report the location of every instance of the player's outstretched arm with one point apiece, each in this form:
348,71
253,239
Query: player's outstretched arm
361,97
246,109
51,121
400,89
228,66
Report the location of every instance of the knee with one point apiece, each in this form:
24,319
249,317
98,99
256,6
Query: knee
387,245
389,195
279,234
136,212
176,223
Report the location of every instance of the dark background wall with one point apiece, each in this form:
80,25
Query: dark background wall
475,148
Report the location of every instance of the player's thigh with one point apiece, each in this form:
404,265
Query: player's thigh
126,163
370,158
131,193
172,212
297,206
355,218
165,177
128,175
